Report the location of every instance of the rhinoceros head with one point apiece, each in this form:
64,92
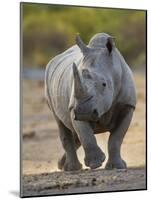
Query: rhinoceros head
93,87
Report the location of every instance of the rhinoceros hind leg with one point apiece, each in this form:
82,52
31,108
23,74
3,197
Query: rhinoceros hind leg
116,139
69,161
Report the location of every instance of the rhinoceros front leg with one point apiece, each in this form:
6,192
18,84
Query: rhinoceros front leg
69,161
62,160
93,154
116,139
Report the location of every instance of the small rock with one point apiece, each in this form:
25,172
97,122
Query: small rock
93,181
102,181
29,134
114,178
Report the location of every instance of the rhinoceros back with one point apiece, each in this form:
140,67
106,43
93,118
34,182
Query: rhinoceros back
58,81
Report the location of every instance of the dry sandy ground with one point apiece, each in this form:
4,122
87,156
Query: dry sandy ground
84,181
41,146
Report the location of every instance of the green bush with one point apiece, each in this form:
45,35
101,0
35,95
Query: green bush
49,30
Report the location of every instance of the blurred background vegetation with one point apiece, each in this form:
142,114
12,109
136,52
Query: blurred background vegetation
49,30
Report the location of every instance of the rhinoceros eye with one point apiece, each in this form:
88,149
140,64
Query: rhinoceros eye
100,86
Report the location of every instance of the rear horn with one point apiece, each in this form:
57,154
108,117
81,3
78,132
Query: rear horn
85,50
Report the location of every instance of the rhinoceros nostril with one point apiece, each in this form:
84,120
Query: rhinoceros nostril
104,84
95,113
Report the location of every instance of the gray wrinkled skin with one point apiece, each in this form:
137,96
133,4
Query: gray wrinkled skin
90,90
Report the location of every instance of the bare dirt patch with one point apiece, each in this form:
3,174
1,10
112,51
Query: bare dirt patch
84,181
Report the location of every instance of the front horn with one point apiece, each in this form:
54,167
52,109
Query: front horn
79,89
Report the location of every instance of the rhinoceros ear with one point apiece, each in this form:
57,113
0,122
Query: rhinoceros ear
110,44
85,50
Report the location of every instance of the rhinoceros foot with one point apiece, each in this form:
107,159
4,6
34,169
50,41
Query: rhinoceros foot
116,164
72,166
94,158
66,165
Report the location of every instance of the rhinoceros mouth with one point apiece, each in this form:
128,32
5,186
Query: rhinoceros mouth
85,100
85,117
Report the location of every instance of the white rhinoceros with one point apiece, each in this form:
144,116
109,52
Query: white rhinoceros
90,90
